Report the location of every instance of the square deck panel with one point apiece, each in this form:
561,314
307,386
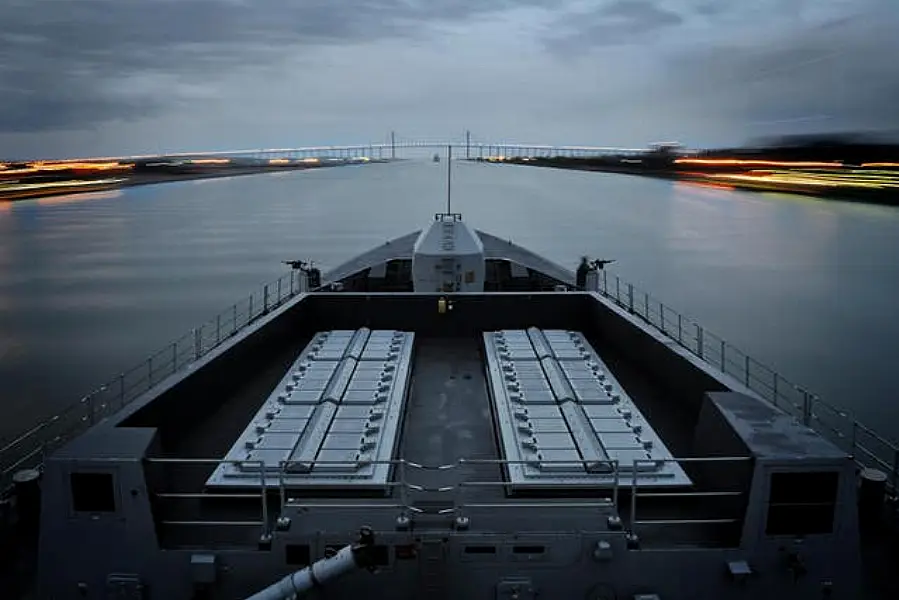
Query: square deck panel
564,419
333,420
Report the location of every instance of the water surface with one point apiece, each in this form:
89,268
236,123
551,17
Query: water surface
91,285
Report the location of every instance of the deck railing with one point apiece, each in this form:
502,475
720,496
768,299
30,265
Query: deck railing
868,448
717,496
28,449
401,488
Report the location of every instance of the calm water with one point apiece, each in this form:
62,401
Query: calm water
90,286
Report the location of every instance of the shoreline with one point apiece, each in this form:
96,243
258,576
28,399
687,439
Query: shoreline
84,185
723,180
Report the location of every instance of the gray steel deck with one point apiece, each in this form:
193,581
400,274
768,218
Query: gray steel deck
449,418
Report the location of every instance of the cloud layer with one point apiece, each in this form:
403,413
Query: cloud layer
84,76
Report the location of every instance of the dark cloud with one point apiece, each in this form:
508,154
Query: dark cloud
66,63
836,76
85,74
617,23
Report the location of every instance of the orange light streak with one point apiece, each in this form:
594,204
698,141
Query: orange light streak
750,163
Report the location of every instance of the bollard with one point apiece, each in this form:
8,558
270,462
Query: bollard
872,487
28,499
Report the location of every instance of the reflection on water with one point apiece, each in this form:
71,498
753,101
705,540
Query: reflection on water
81,197
89,288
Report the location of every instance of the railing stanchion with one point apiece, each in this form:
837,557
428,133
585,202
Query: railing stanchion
662,316
806,408
265,299
234,319
895,471
615,484
263,494
680,330
699,341
747,371
618,290
404,500
291,283
198,342
646,307
774,387
218,329
150,372
630,298
282,493
605,282
250,310
634,499
279,291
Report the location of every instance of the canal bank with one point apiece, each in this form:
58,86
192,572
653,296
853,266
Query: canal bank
873,185
43,185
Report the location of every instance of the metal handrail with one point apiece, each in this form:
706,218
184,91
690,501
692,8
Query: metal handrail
262,496
635,492
459,504
400,481
28,449
867,447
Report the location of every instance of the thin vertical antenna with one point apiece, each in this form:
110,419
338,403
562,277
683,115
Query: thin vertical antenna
393,145
467,145
449,179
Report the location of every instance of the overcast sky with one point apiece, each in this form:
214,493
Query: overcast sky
93,77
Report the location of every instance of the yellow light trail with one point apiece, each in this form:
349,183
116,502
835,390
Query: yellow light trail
210,161
750,163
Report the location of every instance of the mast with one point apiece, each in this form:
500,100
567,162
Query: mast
449,178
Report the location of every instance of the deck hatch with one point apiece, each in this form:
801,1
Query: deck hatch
332,418
564,416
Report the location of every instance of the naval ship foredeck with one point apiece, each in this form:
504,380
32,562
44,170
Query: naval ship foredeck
473,432
446,443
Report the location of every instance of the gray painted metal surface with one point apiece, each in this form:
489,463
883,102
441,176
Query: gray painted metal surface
334,418
453,529
565,420
401,248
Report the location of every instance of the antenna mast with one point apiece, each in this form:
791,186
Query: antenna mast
449,178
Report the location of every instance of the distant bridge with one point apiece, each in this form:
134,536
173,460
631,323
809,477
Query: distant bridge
465,148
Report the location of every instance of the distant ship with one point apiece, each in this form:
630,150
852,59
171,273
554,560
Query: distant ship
437,158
